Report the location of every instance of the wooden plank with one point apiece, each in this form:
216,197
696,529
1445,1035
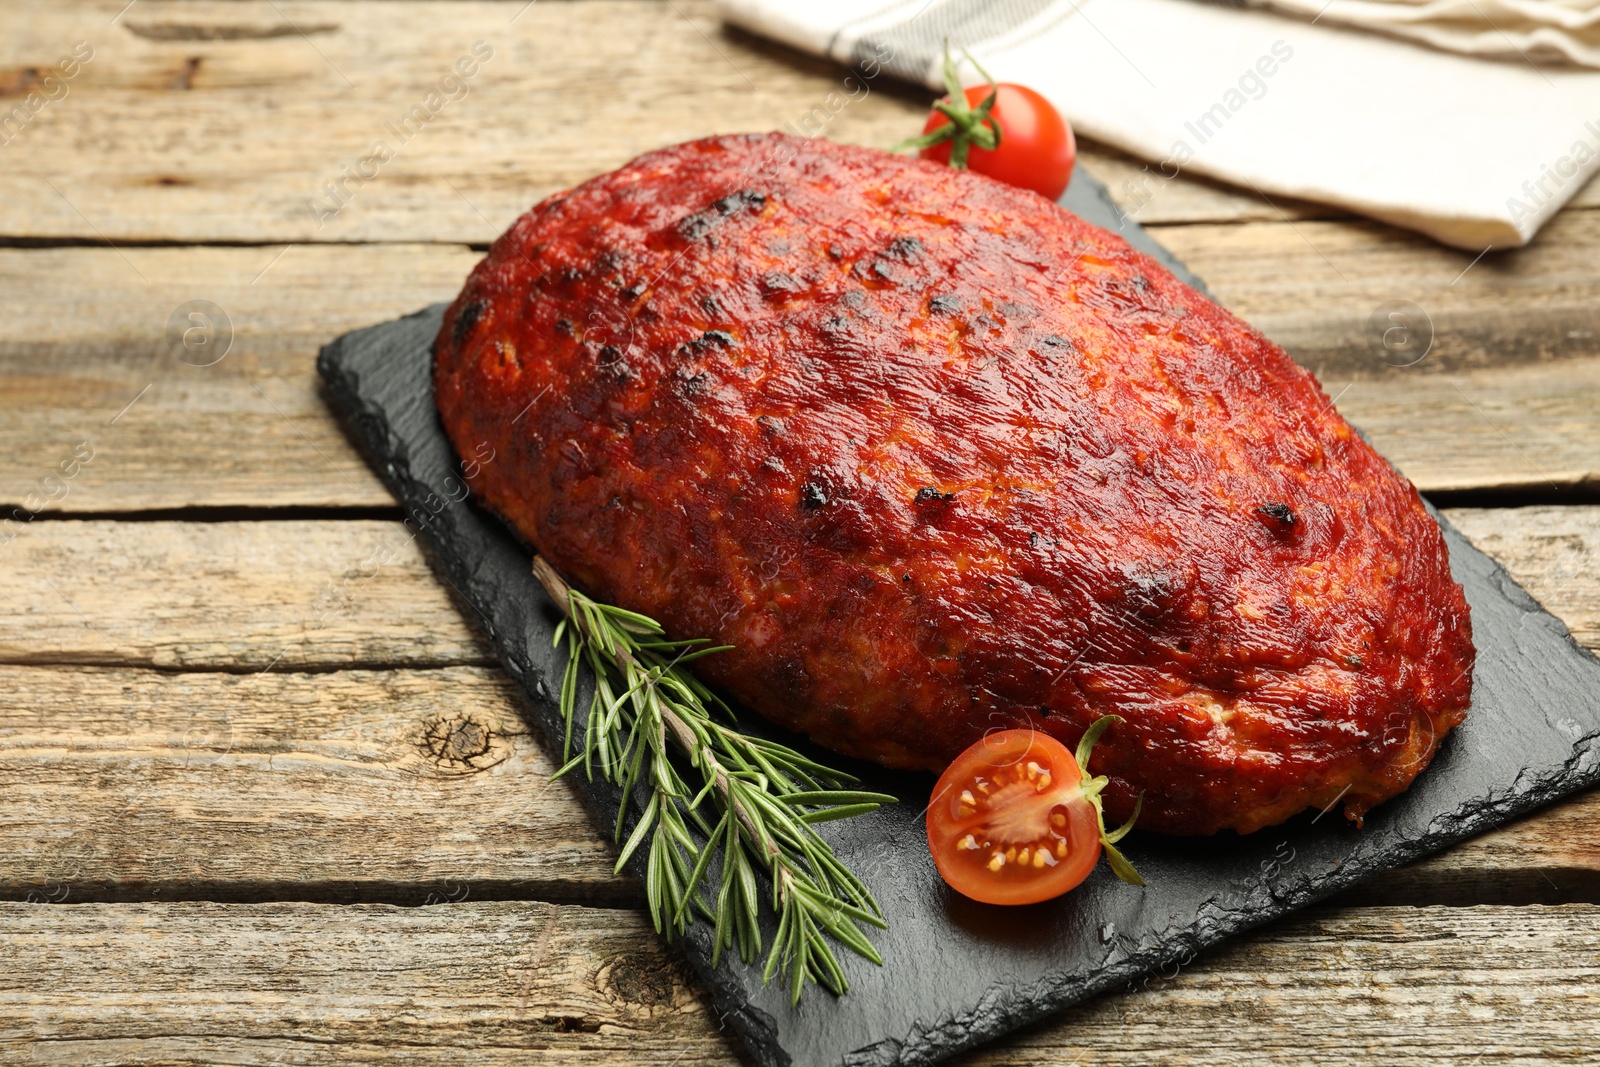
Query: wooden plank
488,983
85,336
148,145
1313,287
1552,552
293,596
1534,428
235,596
1553,855
402,786
145,145
1372,986
463,983
315,594
1498,385
1548,857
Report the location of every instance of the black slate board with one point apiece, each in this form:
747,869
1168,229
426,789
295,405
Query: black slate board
958,973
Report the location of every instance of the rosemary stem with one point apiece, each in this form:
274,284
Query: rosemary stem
686,740
553,584
645,707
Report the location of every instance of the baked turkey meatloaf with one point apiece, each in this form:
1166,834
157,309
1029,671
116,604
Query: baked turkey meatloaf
938,457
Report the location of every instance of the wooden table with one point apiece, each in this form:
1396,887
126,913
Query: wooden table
268,798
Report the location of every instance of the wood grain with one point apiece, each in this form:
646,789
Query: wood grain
160,108
1312,287
402,786
1505,399
136,783
1531,428
319,594
461,983
1378,985
86,335
231,140
148,145
488,983
1552,552
235,596
380,757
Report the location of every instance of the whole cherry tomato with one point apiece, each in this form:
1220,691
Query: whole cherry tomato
1036,147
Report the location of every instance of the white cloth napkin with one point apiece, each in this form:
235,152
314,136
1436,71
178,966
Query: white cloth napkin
1537,31
1477,153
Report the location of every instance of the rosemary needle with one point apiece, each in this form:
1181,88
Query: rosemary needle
649,722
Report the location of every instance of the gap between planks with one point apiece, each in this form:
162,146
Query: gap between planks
1536,494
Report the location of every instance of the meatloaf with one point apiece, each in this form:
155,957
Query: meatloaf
937,457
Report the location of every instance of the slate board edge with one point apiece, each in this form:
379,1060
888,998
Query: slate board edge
951,1035
389,454
1045,998
986,1023
945,1037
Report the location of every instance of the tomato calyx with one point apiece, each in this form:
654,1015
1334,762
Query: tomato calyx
969,126
1092,788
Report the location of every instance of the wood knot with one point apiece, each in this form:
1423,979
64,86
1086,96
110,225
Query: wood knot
643,980
462,743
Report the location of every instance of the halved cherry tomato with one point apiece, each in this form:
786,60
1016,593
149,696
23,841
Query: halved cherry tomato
1016,820
1037,149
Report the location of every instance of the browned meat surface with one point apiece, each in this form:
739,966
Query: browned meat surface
939,457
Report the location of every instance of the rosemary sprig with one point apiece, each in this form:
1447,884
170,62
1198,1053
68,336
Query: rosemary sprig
753,807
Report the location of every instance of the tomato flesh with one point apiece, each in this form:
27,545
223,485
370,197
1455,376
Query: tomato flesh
1008,823
1037,147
